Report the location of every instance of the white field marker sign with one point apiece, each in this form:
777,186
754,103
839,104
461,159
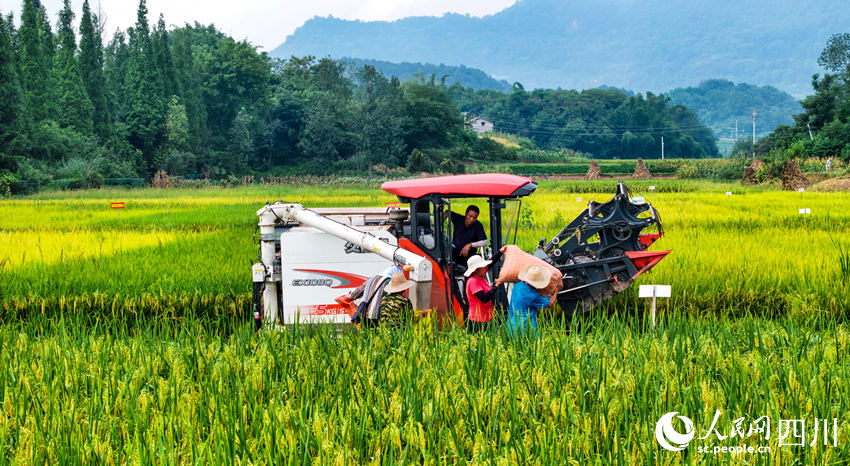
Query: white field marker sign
578,199
728,193
805,212
651,189
801,191
655,291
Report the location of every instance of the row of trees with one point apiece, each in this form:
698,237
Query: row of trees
192,100
605,123
823,128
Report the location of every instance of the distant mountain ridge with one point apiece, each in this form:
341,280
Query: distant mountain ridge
466,77
571,44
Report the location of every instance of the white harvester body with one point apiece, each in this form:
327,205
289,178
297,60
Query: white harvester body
311,257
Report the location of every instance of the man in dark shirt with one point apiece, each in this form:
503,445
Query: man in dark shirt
468,235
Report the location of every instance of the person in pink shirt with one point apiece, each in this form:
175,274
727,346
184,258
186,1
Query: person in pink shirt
479,294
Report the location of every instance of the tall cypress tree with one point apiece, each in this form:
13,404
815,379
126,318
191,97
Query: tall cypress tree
10,90
74,109
91,71
164,62
145,106
189,84
35,60
115,60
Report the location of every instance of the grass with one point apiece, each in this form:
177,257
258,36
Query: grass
128,340
80,389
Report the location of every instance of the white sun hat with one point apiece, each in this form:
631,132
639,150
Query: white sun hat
475,262
535,276
398,283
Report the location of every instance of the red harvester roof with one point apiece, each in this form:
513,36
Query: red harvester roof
479,185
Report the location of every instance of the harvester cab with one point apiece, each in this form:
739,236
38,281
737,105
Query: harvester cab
310,257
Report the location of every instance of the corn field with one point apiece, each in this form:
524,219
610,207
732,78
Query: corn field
127,340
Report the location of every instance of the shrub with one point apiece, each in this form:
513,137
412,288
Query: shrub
420,162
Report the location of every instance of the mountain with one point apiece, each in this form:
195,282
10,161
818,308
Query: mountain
572,44
466,77
719,103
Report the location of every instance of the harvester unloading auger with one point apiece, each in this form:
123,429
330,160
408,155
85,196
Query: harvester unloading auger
310,257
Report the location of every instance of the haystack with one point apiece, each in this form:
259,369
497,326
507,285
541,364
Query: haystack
640,171
792,176
593,172
751,172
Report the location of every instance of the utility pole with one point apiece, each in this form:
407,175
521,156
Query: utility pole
754,133
662,147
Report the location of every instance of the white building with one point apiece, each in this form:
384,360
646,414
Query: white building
480,125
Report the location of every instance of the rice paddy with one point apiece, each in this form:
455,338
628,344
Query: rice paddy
128,340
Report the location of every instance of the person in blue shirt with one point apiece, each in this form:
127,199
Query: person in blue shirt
526,300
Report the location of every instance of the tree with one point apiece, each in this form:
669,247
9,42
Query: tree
189,84
434,122
91,72
836,56
233,75
36,59
144,105
10,92
164,62
382,118
74,109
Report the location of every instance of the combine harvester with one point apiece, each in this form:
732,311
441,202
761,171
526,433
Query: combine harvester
310,257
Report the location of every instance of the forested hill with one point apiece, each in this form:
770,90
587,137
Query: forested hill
719,103
466,77
571,44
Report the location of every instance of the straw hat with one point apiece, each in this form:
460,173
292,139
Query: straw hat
535,276
475,262
398,283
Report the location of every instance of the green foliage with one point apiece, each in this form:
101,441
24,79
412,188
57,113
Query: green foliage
716,169
719,103
6,181
823,129
91,72
836,56
74,109
82,173
452,166
36,59
10,91
601,123
419,162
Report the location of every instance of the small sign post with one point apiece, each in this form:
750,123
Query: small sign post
578,199
654,291
728,193
804,213
651,189
801,190
118,206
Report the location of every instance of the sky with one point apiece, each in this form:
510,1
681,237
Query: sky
262,22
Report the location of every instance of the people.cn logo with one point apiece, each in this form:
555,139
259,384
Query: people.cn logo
668,437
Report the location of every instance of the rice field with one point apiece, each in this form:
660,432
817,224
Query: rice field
127,340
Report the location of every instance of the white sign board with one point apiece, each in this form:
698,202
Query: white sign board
661,291
805,211
638,200
800,190
728,193
652,188
578,199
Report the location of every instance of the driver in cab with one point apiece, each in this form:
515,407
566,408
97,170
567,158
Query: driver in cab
468,235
